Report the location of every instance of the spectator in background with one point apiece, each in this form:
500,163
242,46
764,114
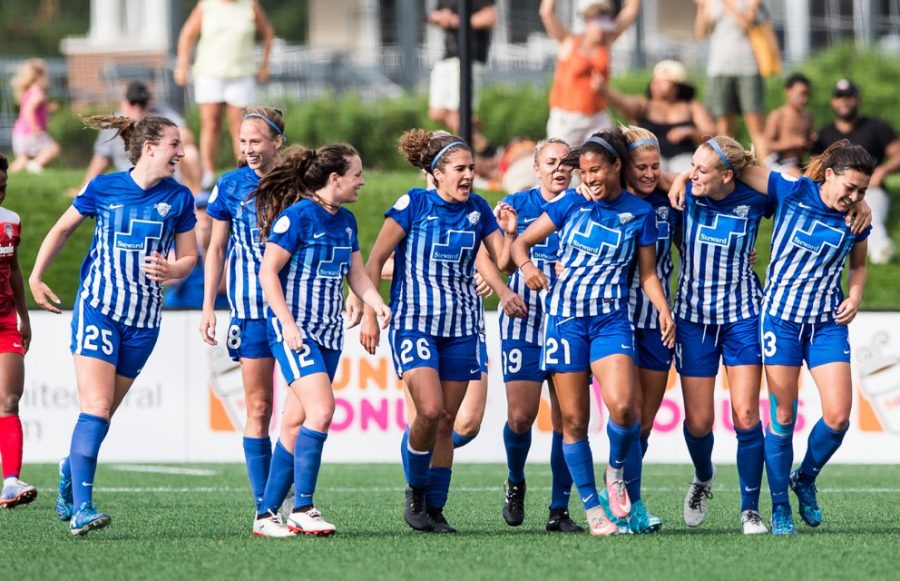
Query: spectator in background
735,85
32,145
443,92
487,169
789,128
880,140
577,102
670,112
109,149
224,72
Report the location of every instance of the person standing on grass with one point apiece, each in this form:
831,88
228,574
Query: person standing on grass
235,232
434,337
587,329
141,215
32,145
311,248
15,337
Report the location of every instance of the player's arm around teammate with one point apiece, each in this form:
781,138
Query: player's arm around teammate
141,214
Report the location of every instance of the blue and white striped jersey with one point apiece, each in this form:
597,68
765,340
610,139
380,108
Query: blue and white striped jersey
810,245
433,289
529,205
132,224
230,202
716,283
643,314
598,243
321,245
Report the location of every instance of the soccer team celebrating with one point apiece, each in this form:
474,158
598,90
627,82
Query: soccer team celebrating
588,296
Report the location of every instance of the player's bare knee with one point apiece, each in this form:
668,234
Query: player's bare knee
520,420
838,421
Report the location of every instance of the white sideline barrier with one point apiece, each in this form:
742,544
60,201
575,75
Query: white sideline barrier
172,414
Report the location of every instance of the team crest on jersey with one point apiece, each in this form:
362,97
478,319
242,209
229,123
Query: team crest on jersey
742,211
282,225
474,217
8,229
402,202
662,213
625,217
163,208
349,232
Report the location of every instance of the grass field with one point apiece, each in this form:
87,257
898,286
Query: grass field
184,526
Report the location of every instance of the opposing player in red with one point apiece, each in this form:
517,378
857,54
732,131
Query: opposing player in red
14,338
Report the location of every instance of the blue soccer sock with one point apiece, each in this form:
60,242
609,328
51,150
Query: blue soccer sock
281,476
307,460
560,477
700,450
620,439
404,453
645,444
517,446
418,463
779,452
460,440
581,466
750,460
258,455
823,443
634,462
438,487
86,440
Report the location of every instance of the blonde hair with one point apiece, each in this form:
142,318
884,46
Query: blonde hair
539,147
26,75
639,139
738,157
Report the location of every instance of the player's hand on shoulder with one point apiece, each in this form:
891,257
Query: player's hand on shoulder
860,217
44,297
678,191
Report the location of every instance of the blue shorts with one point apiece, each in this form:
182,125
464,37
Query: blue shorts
522,361
788,343
311,358
454,358
573,343
98,336
482,352
248,338
650,352
699,347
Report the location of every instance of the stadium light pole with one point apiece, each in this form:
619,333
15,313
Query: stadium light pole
465,70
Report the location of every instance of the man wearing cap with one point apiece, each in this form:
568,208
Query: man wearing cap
109,150
880,140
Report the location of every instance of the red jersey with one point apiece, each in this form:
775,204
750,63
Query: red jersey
10,236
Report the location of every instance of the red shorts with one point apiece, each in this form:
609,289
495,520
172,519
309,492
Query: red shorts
10,338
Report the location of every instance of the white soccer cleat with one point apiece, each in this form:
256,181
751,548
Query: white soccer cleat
272,527
599,523
696,500
752,524
310,522
16,493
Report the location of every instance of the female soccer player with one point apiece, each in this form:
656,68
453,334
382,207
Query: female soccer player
311,247
140,215
521,347
587,328
434,338
233,211
15,335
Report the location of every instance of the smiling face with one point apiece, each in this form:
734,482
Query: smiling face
162,157
258,146
600,176
642,174
454,177
841,190
346,187
845,107
708,178
553,177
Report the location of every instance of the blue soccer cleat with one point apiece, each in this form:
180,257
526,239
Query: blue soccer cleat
642,522
64,508
806,495
88,519
783,520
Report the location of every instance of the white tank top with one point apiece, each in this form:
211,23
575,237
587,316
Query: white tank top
227,34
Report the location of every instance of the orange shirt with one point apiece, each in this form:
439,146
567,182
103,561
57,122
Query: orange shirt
571,89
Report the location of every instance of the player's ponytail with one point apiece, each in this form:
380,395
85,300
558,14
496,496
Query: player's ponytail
732,155
429,150
839,157
300,174
133,133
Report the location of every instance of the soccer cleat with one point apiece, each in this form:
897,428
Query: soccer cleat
809,505
414,512
271,527
599,522
64,508
642,522
559,521
88,519
16,493
310,522
752,524
622,523
514,504
619,503
783,520
439,523
695,502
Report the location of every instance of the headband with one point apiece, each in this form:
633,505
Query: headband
268,121
443,151
604,144
640,142
718,149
